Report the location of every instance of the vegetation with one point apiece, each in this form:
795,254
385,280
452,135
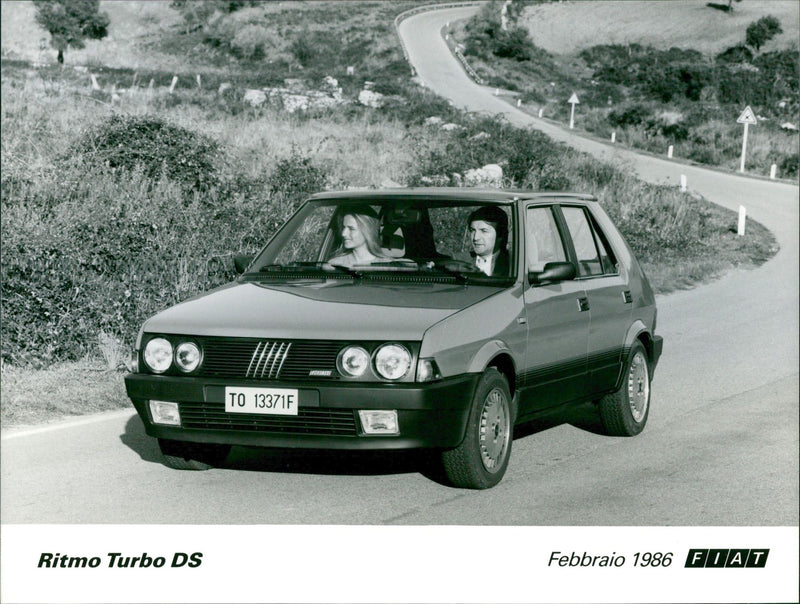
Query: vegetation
762,31
70,22
653,98
139,199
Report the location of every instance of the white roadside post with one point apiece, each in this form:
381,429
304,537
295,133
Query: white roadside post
773,171
613,137
670,149
541,111
742,217
683,183
519,102
172,86
747,117
573,100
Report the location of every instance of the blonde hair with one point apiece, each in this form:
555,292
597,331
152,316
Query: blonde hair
369,225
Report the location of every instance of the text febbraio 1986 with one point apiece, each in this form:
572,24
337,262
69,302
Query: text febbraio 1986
612,560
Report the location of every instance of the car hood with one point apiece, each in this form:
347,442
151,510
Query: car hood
325,309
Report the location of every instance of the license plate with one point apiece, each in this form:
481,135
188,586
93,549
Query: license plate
266,401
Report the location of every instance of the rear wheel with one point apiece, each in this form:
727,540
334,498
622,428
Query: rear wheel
624,412
180,455
480,461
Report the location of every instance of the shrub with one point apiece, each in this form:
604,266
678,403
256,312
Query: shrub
485,36
159,148
735,54
630,116
293,179
250,40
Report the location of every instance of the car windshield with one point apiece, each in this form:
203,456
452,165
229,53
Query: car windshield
396,238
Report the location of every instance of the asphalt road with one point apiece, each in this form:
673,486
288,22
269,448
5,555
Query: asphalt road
720,448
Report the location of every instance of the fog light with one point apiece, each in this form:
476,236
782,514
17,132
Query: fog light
165,413
379,422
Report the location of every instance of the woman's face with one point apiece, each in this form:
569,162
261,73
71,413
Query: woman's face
352,237
482,236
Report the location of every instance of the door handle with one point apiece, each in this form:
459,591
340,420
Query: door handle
626,297
583,304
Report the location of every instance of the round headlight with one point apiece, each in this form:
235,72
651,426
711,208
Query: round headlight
187,356
352,361
392,361
158,355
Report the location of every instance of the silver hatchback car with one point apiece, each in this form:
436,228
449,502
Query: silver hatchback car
432,319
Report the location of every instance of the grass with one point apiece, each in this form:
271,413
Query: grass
681,241
37,396
569,27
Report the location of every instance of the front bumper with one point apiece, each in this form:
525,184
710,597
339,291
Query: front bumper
430,415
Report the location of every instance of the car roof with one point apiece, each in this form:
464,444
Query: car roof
451,193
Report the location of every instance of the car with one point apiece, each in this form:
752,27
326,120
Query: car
435,319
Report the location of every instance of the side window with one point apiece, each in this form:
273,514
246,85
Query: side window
543,242
607,258
583,239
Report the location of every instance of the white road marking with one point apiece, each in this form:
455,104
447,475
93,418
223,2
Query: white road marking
92,419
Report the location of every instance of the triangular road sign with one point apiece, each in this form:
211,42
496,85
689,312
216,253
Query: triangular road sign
573,99
747,117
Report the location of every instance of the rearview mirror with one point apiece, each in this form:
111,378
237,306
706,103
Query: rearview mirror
241,262
553,272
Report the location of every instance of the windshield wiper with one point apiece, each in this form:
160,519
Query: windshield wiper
459,276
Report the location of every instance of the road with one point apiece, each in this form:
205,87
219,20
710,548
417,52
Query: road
720,448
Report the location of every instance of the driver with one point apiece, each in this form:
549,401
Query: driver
488,236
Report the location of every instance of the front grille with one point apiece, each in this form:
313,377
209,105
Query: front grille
212,416
269,359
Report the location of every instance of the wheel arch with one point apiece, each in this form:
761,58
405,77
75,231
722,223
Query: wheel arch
496,354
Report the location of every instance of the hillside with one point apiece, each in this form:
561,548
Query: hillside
569,27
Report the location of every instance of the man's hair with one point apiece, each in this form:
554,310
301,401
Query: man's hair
495,217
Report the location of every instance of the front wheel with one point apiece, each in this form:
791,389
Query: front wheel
480,461
180,455
624,412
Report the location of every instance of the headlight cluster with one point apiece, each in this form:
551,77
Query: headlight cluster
159,355
390,361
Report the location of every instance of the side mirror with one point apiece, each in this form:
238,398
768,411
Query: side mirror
553,272
241,262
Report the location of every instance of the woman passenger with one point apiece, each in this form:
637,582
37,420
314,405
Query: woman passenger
359,230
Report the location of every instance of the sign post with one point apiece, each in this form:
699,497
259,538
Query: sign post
573,100
747,117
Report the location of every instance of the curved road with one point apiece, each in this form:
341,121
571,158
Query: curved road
721,446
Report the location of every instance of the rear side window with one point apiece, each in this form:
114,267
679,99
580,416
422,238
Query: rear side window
592,250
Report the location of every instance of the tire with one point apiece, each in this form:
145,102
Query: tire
180,455
480,461
624,412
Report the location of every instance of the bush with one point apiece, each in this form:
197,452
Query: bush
158,148
249,41
485,36
119,250
292,181
735,54
630,116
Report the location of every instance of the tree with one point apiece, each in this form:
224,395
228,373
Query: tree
70,22
762,31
